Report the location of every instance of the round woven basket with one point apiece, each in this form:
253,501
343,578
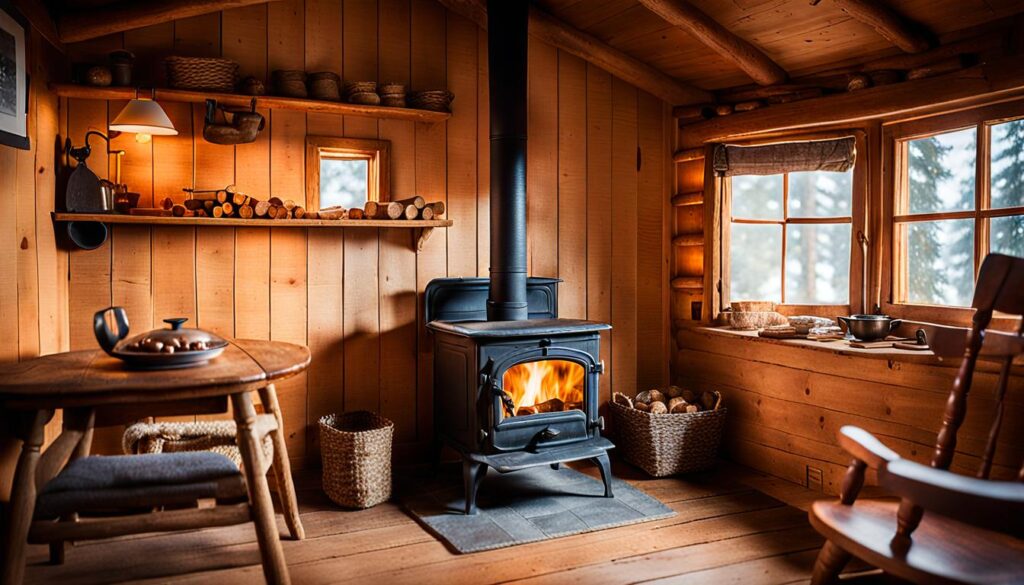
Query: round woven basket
365,98
352,87
356,452
324,85
438,100
666,444
391,89
290,83
392,101
206,73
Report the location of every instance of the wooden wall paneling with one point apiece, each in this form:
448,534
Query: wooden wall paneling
651,279
483,160
462,47
397,261
572,186
428,70
624,236
288,271
9,265
599,212
325,248
244,39
150,45
542,160
89,279
362,254
215,246
52,262
198,36
27,248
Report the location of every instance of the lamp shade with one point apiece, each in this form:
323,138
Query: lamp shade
143,117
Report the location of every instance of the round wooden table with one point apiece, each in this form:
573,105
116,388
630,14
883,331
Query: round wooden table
96,389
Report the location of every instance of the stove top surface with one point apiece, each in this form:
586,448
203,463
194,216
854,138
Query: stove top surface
528,328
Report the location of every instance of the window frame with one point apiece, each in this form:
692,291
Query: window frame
895,200
857,219
377,153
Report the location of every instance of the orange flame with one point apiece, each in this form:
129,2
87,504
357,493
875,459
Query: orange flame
544,386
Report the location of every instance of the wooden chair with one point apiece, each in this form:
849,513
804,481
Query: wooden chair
972,531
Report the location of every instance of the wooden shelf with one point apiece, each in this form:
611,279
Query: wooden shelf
425,226
264,101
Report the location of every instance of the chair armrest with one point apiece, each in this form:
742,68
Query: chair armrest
995,505
865,447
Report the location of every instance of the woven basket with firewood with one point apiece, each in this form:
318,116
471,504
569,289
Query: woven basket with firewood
669,431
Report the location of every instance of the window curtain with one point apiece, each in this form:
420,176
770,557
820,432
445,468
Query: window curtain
786,157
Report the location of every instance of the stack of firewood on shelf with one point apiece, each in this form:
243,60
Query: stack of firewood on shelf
230,202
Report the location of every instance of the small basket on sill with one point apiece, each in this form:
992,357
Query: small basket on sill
668,443
356,452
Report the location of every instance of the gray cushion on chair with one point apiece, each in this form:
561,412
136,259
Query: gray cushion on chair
138,481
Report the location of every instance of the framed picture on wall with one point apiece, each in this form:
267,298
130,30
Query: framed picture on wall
13,79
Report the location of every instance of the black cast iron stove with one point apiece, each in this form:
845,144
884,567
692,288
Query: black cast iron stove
514,386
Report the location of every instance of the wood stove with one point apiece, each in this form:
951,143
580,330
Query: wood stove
510,395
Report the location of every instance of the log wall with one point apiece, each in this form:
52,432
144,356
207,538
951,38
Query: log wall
599,181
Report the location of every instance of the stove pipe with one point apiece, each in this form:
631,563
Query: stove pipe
506,58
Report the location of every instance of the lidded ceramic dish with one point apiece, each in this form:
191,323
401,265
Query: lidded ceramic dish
176,347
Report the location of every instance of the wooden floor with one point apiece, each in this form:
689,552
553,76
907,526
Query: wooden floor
732,526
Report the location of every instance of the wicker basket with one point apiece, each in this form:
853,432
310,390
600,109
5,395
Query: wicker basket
289,83
439,100
205,73
356,452
218,436
324,85
666,444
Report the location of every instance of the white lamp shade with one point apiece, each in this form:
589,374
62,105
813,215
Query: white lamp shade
143,117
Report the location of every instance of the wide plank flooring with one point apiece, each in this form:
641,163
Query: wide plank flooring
733,525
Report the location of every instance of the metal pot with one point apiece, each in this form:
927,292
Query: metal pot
176,347
869,327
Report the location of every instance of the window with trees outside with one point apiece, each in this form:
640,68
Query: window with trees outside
959,195
790,237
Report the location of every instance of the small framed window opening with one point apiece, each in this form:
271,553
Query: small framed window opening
957,194
346,172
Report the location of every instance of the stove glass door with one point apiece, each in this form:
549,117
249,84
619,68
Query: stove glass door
545,386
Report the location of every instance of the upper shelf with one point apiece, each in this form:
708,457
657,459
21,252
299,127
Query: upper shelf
265,101
239,222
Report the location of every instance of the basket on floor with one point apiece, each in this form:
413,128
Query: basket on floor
356,452
207,73
666,444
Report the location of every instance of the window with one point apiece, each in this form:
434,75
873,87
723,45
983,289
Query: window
346,172
958,195
790,237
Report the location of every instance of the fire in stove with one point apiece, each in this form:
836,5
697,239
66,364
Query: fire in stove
545,386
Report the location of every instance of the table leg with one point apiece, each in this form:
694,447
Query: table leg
274,568
282,467
30,428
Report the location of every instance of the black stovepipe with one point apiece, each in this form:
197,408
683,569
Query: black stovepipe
507,58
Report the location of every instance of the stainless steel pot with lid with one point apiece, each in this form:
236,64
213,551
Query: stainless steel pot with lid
176,347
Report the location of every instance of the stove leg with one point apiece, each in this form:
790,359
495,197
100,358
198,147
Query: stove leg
556,466
605,465
472,476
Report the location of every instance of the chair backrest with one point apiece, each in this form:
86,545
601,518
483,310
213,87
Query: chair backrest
1000,288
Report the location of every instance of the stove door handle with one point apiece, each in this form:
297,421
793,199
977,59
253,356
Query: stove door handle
549,433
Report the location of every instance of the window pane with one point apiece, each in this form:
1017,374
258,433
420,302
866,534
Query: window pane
941,172
755,260
820,194
1008,164
343,182
818,264
757,197
941,262
1007,235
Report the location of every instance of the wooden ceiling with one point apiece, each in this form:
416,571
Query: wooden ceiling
801,37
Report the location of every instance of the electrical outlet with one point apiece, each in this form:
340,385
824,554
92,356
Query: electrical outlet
815,479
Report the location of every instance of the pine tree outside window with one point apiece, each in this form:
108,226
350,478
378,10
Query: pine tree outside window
958,195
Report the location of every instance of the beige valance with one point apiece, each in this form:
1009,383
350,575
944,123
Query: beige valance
786,157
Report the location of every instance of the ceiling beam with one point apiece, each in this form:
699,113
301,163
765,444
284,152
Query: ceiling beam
681,14
904,33
82,25
35,12
549,29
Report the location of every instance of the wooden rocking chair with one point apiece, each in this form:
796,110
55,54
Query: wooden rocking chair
973,529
